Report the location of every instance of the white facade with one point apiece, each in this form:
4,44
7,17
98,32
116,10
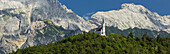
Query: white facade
103,29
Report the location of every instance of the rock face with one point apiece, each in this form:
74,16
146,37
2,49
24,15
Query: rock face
19,20
26,23
130,16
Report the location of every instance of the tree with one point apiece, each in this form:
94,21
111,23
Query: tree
144,37
137,39
158,38
130,35
112,44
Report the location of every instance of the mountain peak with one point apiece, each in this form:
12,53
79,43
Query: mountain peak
131,5
20,20
130,16
134,8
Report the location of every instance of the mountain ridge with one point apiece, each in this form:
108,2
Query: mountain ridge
24,22
130,16
20,20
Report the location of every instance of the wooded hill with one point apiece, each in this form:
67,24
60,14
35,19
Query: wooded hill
92,43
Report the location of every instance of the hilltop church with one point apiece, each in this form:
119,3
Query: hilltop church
102,29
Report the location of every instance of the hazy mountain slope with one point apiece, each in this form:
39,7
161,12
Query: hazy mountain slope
130,16
135,31
20,20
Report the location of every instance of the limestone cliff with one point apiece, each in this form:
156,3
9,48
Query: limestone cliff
20,20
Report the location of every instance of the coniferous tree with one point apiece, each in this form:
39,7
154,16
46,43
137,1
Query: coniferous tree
111,44
158,38
144,37
130,35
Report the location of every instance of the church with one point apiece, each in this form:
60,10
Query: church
102,28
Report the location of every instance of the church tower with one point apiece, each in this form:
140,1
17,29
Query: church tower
103,28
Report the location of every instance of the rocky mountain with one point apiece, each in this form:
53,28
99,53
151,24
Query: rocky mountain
26,23
131,16
22,20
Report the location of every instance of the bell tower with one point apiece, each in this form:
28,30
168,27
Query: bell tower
103,28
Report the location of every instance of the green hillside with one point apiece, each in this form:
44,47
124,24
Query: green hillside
92,43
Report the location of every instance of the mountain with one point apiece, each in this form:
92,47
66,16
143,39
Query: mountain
92,43
25,23
21,21
131,16
137,32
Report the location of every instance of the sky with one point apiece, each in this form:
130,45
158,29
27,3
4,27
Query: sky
85,8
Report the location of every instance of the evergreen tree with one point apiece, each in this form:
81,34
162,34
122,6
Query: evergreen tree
97,44
144,37
158,38
130,35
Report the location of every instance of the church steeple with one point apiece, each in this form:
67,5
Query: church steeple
103,28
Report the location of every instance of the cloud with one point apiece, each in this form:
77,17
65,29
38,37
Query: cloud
88,15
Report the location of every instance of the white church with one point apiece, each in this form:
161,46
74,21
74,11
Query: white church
101,30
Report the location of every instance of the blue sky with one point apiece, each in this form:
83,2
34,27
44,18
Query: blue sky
88,7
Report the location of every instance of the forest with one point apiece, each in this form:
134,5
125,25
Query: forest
93,43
